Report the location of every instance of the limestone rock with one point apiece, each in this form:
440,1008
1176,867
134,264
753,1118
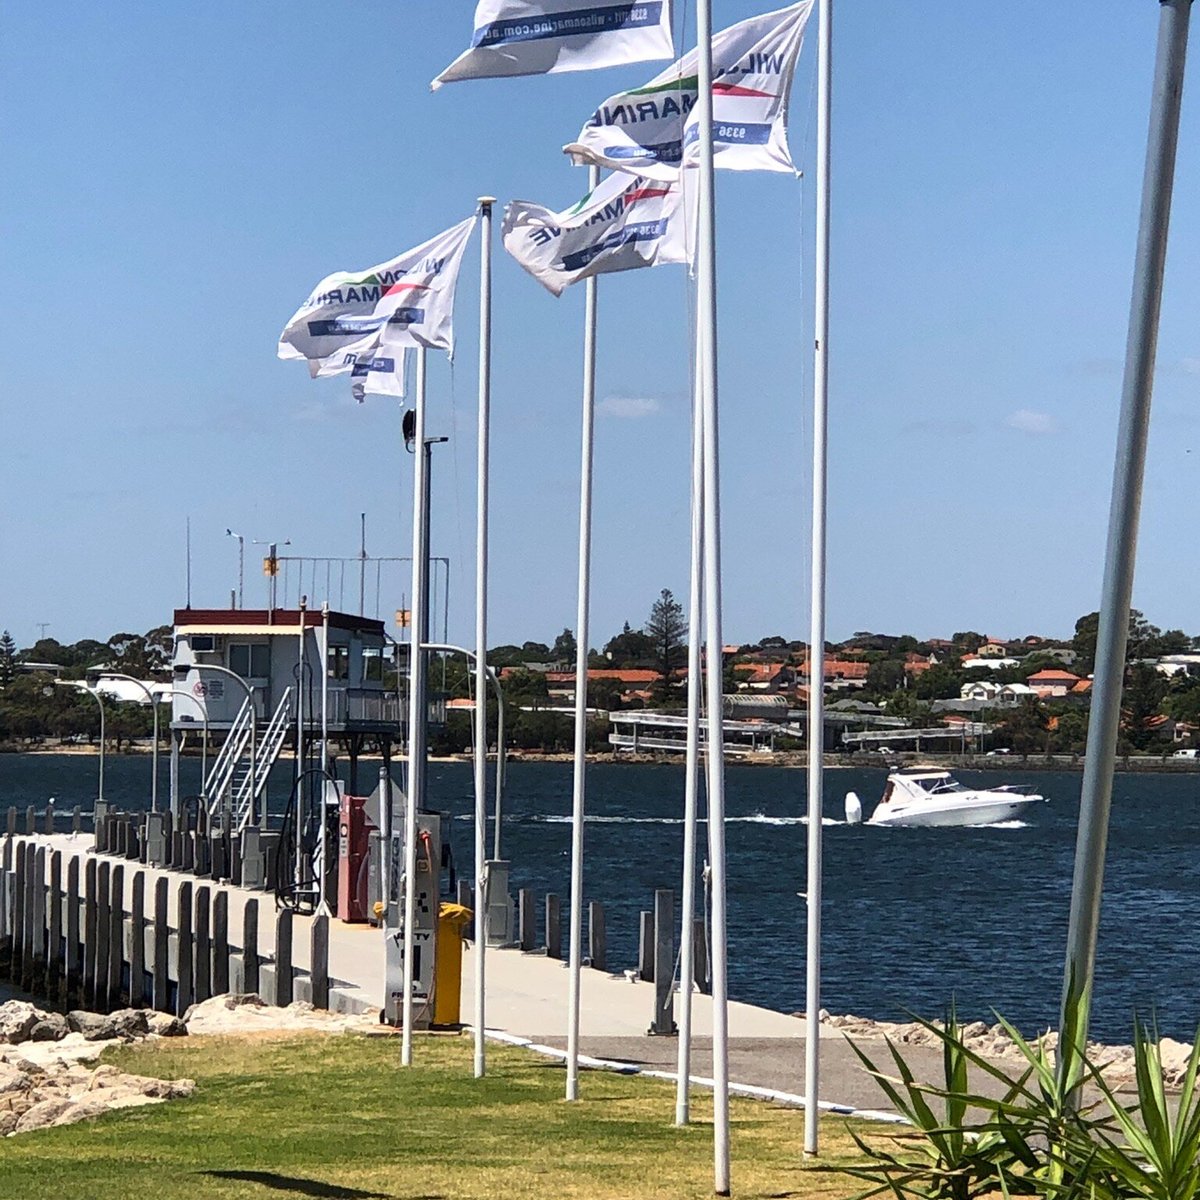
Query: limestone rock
17,1019
43,1114
13,1079
95,1027
130,1023
164,1024
50,1027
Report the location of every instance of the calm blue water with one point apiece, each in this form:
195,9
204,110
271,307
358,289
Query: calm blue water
911,916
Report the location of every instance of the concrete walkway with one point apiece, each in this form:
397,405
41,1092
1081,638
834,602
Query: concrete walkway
527,999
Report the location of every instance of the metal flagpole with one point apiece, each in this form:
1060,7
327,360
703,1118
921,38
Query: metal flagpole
816,648
706,319
481,580
1128,472
687,966
581,667
416,698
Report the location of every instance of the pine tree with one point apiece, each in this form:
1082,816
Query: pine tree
8,659
666,630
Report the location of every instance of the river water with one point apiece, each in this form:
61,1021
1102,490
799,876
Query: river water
912,917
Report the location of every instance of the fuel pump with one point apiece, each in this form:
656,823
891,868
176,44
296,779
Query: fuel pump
425,928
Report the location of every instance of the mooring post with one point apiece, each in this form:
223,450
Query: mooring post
283,958
6,866
11,819
250,959
54,948
597,936
137,939
161,983
18,910
319,961
553,926
185,995
76,819
203,982
700,955
103,895
220,943
87,989
116,935
663,1023
645,966
73,954
527,919
39,914
49,816
30,820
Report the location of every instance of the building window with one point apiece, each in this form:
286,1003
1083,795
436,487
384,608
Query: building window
372,657
338,663
250,660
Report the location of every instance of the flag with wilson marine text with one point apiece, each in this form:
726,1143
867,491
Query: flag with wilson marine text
407,301
653,130
537,37
626,223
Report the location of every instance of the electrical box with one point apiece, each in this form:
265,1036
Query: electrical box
355,827
427,900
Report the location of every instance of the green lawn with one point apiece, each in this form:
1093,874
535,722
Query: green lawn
337,1117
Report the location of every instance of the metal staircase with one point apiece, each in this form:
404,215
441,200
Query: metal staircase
229,787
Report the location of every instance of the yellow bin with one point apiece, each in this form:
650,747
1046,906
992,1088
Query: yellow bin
447,988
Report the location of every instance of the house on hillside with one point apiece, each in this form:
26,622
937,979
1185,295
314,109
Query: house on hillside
1052,682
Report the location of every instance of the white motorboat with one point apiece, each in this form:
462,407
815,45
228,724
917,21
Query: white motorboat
931,796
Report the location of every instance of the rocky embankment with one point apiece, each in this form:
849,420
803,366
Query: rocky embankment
993,1043
45,1078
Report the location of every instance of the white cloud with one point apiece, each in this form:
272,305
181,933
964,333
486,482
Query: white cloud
1028,421
630,408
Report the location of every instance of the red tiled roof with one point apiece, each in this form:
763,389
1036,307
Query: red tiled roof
1051,676
627,676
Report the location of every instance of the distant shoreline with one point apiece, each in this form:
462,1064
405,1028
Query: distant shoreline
1155,765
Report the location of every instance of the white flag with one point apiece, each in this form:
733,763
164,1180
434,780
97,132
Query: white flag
372,369
537,37
653,129
408,301
626,223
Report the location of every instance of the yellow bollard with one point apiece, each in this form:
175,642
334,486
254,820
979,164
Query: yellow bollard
447,988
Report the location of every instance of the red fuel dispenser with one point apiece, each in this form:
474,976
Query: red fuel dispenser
354,853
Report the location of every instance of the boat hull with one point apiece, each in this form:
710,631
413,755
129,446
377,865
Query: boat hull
981,810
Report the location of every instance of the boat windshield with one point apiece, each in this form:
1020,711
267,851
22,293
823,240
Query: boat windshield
940,785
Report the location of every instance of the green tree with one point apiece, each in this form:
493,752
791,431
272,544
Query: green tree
8,659
940,682
565,648
884,676
1145,690
667,630
630,648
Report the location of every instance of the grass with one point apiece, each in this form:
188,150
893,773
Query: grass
336,1117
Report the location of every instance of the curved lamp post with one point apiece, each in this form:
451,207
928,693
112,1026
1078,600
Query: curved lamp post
181,671
49,691
204,745
154,711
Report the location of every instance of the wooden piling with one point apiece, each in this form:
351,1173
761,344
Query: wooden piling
663,1023
250,959
137,939
597,936
646,946
283,958
18,910
185,995
73,951
319,961
553,926
220,943
527,919
54,947
161,991
203,980
103,894
116,936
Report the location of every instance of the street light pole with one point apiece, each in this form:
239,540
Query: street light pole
204,744
183,668
241,541
154,712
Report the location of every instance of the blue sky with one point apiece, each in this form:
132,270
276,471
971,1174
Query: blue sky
177,177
